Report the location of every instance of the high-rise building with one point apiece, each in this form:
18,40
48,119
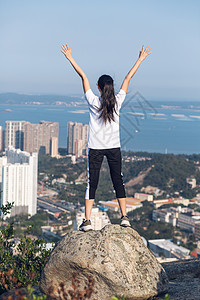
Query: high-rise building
14,134
32,137
54,146
77,137
70,137
18,181
85,130
1,139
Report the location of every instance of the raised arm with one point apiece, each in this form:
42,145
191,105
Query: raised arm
68,54
142,56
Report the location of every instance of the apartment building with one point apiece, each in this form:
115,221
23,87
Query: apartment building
77,137
30,137
18,181
14,135
1,139
54,146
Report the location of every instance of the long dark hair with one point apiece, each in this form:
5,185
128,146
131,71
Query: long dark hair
108,103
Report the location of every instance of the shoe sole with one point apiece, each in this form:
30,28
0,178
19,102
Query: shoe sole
125,223
86,228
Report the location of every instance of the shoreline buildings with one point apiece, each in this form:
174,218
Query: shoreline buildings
41,138
18,181
77,137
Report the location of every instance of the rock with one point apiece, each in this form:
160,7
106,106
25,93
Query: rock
115,257
184,276
184,289
187,268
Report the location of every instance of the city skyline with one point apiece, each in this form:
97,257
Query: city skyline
41,138
102,41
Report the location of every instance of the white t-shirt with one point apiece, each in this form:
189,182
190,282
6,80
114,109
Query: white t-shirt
101,135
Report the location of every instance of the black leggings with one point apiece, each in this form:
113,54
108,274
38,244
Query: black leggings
95,158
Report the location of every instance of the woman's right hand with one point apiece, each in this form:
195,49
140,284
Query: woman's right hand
66,51
144,53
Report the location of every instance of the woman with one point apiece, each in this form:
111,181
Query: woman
103,139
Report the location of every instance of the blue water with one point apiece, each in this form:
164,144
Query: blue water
145,126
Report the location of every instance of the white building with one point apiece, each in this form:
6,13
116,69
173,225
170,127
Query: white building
187,221
18,181
167,215
98,219
54,146
166,248
143,196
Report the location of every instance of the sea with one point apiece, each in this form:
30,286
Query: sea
150,126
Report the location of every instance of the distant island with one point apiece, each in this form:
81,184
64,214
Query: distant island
79,100
57,100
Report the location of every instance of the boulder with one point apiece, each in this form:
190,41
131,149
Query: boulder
114,257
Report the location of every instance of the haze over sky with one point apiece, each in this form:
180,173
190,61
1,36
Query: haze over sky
106,37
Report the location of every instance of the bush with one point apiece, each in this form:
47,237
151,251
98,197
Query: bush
74,293
21,264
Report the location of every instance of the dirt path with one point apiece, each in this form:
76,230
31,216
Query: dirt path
138,179
82,176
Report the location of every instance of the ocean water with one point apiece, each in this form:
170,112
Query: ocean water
152,126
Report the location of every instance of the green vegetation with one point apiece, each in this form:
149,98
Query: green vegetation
168,172
21,222
72,193
23,261
133,168
55,168
141,221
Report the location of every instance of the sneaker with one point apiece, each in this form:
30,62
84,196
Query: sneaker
125,221
85,226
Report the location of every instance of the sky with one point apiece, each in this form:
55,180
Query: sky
105,37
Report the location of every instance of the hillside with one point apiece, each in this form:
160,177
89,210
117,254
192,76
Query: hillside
167,172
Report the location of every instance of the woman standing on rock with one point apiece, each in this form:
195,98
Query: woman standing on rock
103,139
